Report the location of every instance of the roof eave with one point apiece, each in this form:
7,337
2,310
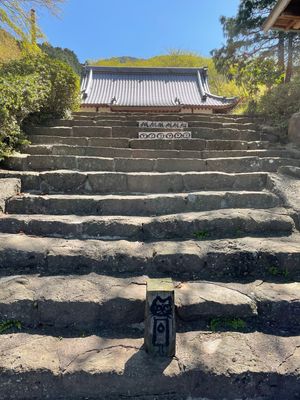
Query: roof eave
182,106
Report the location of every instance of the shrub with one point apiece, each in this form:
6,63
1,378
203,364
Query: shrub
59,78
34,89
278,104
19,96
65,88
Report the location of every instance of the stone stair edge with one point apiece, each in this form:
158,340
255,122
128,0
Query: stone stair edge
7,173
114,130
53,301
81,367
226,259
104,182
121,164
111,140
47,156
201,137
139,205
204,225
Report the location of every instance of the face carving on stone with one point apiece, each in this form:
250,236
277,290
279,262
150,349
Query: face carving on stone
161,307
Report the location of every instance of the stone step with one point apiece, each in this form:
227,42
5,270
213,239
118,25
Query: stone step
139,205
293,172
201,226
86,302
9,187
135,123
238,365
200,144
74,131
197,133
134,182
78,163
184,144
113,152
79,141
165,117
123,132
228,260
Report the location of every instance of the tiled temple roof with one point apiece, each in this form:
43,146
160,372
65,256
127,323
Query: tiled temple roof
150,87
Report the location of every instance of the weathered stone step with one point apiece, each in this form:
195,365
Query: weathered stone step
209,123
86,302
74,131
9,187
185,144
134,182
201,145
138,205
293,172
79,141
79,163
202,226
165,117
225,260
61,149
238,365
131,133
197,133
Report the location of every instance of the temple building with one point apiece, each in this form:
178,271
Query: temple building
185,90
285,16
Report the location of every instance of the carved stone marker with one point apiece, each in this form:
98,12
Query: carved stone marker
166,135
160,331
163,124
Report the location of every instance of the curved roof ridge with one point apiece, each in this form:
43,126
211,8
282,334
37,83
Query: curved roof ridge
201,88
215,96
119,69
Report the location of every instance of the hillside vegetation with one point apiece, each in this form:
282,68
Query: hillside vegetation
218,83
9,47
66,55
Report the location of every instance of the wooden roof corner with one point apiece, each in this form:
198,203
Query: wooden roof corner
285,16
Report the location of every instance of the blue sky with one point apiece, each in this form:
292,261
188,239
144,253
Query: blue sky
139,28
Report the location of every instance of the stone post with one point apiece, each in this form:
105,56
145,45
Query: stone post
160,331
294,129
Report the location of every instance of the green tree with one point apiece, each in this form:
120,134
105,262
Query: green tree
66,55
9,47
246,41
15,15
33,89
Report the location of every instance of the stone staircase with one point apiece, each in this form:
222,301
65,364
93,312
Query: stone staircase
100,211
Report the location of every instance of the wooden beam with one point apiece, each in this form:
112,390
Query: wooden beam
290,25
276,12
289,17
